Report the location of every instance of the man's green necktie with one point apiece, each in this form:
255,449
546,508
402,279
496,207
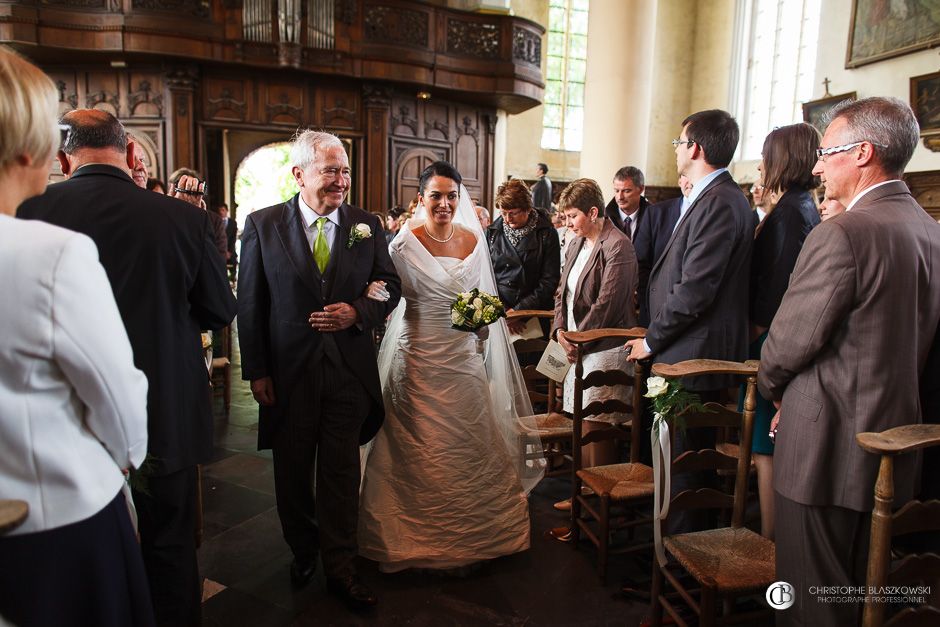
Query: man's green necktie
321,251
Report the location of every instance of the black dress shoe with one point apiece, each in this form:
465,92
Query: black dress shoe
301,571
355,594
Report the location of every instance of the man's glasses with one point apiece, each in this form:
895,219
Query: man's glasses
822,153
677,141
64,132
334,172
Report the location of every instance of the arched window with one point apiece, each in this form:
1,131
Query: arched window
563,113
775,71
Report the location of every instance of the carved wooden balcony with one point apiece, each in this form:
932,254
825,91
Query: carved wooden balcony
491,60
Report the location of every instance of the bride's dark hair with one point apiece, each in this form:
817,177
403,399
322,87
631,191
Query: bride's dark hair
438,168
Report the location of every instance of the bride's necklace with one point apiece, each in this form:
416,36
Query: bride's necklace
453,229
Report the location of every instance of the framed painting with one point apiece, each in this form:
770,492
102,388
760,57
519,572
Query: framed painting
814,110
925,101
881,30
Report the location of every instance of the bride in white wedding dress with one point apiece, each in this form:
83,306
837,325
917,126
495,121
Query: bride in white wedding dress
444,485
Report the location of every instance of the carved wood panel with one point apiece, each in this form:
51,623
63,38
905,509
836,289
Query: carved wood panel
338,108
284,103
925,187
404,120
102,92
225,99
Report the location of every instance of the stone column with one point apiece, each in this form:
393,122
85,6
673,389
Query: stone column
618,88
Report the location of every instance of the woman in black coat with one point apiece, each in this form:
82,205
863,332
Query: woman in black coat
787,161
525,251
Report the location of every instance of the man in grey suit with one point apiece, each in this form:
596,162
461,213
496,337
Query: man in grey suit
698,288
845,352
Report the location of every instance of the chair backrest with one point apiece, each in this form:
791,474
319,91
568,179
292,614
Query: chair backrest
603,378
915,516
715,416
540,388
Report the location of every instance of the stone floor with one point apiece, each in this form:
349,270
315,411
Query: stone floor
245,561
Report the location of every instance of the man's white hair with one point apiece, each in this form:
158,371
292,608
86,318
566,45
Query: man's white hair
306,145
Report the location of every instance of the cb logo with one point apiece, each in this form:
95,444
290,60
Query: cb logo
780,595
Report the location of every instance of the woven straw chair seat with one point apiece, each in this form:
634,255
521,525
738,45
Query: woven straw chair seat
553,424
620,482
729,560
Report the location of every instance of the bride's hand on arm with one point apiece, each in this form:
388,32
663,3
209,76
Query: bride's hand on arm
376,291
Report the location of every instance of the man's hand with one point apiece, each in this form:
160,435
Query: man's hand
637,350
263,390
335,317
570,349
189,189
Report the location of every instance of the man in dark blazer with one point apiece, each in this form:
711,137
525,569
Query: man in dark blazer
628,206
698,289
845,353
652,235
169,283
306,346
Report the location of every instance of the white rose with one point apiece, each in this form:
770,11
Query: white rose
456,318
364,230
478,303
477,315
655,386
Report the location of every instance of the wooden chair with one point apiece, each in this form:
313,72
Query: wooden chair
915,516
725,563
619,493
551,440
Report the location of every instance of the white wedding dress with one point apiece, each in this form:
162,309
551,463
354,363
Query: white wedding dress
443,486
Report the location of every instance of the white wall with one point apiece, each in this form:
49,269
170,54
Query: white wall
890,77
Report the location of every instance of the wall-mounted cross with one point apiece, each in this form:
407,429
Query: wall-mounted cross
825,83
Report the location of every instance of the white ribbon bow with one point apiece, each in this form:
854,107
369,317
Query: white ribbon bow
662,452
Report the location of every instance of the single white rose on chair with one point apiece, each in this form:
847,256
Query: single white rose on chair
655,386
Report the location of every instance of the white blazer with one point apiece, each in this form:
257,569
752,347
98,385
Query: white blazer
73,408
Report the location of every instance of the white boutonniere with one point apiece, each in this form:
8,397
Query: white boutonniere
358,233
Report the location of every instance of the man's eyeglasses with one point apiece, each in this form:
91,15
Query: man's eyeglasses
677,141
64,131
333,172
822,153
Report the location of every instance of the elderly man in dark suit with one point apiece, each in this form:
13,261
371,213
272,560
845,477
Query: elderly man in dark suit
169,283
306,346
698,289
845,352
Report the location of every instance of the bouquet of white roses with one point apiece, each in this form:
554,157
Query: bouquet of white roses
670,401
475,309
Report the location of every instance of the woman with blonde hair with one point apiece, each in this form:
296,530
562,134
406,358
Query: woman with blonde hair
73,408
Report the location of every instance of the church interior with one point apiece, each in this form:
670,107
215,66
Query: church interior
495,87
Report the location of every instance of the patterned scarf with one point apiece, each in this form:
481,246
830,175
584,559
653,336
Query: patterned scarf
515,235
